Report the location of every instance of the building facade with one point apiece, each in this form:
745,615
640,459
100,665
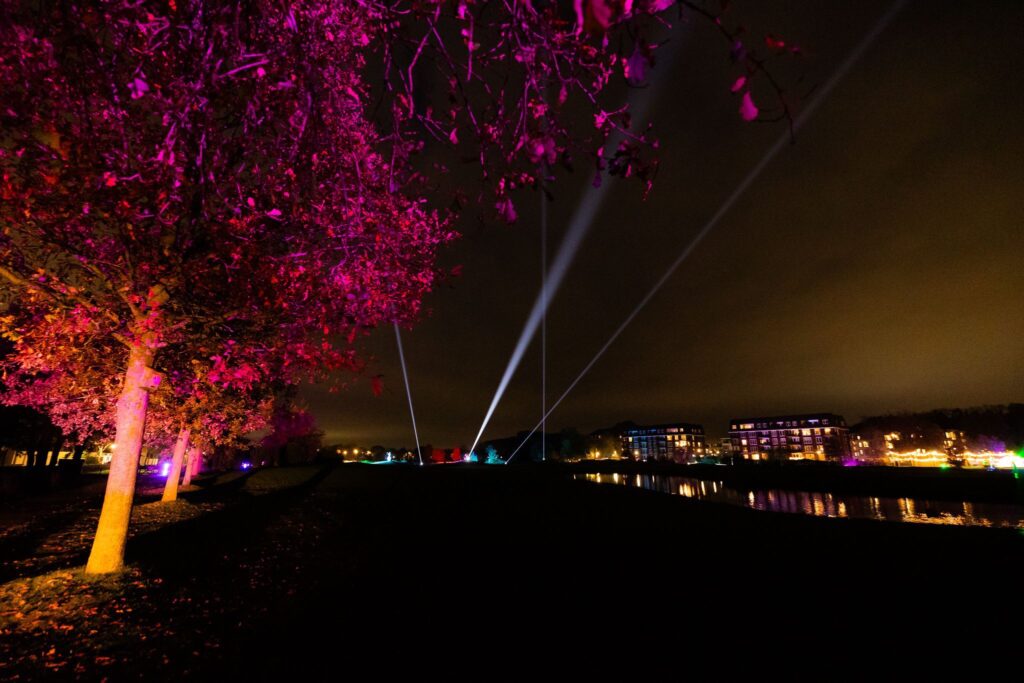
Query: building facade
677,442
861,447
820,436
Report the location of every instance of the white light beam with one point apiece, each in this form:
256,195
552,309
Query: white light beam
578,228
840,72
408,392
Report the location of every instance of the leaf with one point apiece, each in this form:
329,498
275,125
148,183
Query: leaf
655,6
748,110
507,210
738,53
138,88
635,67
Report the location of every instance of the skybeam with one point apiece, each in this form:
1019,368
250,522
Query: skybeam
408,392
579,225
747,181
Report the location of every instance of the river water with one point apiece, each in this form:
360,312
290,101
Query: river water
913,510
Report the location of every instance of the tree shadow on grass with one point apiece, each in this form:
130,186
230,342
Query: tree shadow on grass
20,549
41,549
209,543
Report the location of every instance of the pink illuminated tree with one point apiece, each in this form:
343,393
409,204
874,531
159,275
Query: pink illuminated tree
199,416
215,182
182,177
515,80
294,435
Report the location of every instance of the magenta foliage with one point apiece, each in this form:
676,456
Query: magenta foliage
222,183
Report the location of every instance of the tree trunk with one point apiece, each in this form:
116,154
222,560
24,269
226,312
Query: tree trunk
39,456
79,450
107,553
192,468
180,446
55,452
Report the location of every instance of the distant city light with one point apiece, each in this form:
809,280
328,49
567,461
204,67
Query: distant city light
936,458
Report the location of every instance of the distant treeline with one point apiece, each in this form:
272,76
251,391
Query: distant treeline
984,427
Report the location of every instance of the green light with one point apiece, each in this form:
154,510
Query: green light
944,466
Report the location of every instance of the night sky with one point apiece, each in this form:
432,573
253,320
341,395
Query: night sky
875,266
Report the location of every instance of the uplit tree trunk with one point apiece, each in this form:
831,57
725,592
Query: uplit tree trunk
192,468
107,553
180,446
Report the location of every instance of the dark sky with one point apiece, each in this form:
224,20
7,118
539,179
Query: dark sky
875,266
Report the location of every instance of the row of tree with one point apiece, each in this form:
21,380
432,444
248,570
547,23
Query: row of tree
27,430
566,444
984,428
195,213
206,202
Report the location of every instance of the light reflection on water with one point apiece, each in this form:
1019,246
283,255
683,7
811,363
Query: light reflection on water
825,504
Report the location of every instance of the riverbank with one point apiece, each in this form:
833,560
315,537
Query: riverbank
981,486
299,573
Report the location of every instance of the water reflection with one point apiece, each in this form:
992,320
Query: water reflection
826,504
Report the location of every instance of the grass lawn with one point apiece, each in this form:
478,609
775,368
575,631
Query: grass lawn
297,573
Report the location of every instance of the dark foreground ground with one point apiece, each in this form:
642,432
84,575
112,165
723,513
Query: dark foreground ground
495,573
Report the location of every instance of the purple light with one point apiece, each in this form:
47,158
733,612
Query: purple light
246,465
165,469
